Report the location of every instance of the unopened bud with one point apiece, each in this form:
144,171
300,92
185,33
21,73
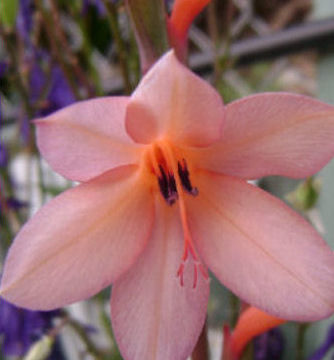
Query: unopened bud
305,196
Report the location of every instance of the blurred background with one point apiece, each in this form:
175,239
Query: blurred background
55,52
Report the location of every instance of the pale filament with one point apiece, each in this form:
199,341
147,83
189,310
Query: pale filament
189,248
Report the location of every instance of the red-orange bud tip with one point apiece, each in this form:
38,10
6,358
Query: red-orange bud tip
251,323
184,13
182,16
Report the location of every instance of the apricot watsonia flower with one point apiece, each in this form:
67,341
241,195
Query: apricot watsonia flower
163,198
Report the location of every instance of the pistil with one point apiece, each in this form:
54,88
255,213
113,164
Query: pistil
174,179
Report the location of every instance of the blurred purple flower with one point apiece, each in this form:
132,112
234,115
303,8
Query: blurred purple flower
13,204
325,347
3,150
20,328
3,68
25,129
97,3
59,93
37,81
3,156
269,346
24,19
16,204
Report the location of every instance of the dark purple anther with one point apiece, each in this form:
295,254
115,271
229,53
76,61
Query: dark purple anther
167,186
167,182
184,177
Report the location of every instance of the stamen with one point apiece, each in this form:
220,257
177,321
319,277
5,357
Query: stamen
163,182
184,176
167,186
173,195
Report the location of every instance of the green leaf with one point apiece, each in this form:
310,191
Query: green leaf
8,12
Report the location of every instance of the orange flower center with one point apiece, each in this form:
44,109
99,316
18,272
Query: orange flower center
172,175
174,181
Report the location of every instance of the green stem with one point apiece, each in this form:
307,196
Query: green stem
8,39
42,185
215,38
87,48
72,58
301,330
120,45
56,49
90,346
105,321
235,309
134,64
9,216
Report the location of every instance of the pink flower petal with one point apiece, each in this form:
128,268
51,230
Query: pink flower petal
153,316
273,134
171,101
261,249
79,242
87,138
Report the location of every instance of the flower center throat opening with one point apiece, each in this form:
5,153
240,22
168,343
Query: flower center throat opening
174,181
